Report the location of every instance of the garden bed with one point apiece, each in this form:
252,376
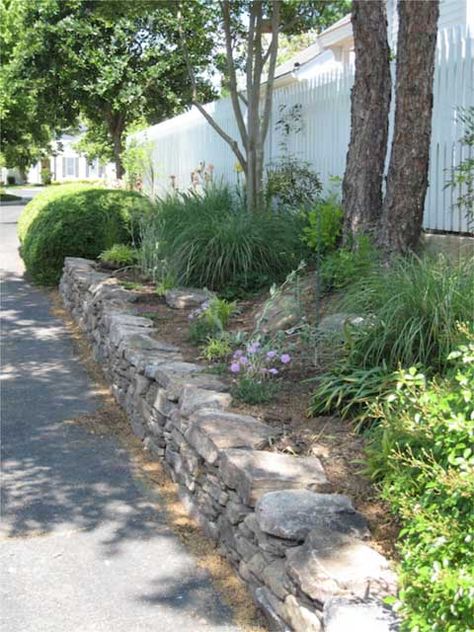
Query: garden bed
331,439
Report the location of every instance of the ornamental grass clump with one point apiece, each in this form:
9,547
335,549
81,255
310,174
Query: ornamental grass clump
212,240
255,369
413,311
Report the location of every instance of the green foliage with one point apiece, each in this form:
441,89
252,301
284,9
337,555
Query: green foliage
463,174
46,176
422,454
349,391
211,240
139,165
254,392
346,265
74,220
216,348
119,255
413,310
292,184
324,225
210,319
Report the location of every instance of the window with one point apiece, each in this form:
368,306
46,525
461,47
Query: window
70,167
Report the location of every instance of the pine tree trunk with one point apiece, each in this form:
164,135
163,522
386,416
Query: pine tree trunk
370,105
407,178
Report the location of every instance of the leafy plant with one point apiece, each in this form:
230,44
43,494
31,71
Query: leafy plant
462,178
209,319
344,266
216,348
119,255
324,225
213,241
292,184
422,454
46,176
77,221
413,308
255,369
349,392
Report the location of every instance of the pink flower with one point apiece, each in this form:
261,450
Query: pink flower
285,358
273,371
243,360
271,354
235,367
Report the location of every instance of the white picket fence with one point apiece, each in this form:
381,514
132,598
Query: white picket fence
182,143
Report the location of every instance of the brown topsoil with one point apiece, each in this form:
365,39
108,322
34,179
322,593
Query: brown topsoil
332,440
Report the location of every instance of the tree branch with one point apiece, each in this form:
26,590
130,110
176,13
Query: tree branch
271,70
225,8
234,145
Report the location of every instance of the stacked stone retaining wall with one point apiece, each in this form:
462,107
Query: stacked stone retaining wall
301,550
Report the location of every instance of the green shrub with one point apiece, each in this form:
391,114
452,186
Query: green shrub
324,225
346,265
292,184
119,255
413,308
74,220
211,240
422,455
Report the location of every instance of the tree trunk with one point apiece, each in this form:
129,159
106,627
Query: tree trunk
407,178
117,149
370,105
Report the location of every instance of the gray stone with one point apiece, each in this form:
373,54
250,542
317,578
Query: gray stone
162,403
182,298
193,399
331,564
253,473
236,512
370,615
292,514
275,577
211,432
165,375
335,324
272,609
304,620
279,313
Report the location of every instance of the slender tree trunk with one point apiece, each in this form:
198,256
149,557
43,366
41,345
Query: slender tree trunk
370,105
117,149
407,178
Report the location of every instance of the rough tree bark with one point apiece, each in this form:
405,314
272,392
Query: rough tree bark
370,105
407,178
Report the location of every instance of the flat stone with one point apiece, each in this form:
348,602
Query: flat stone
335,324
331,564
187,297
302,619
114,316
193,399
272,609
211,432
292,514
165,375
143,341
276,578
370,615
253,473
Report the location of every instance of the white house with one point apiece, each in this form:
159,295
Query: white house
65,163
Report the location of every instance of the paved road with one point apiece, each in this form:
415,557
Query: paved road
82,547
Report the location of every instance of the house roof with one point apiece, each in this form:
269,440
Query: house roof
337,32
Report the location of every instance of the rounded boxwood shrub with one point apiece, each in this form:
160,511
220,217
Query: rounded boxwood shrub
74,220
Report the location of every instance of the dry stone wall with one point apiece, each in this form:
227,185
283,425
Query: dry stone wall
302,551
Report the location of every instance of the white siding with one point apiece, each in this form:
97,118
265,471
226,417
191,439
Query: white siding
180,144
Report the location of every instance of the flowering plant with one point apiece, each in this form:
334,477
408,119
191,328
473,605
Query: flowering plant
253,368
